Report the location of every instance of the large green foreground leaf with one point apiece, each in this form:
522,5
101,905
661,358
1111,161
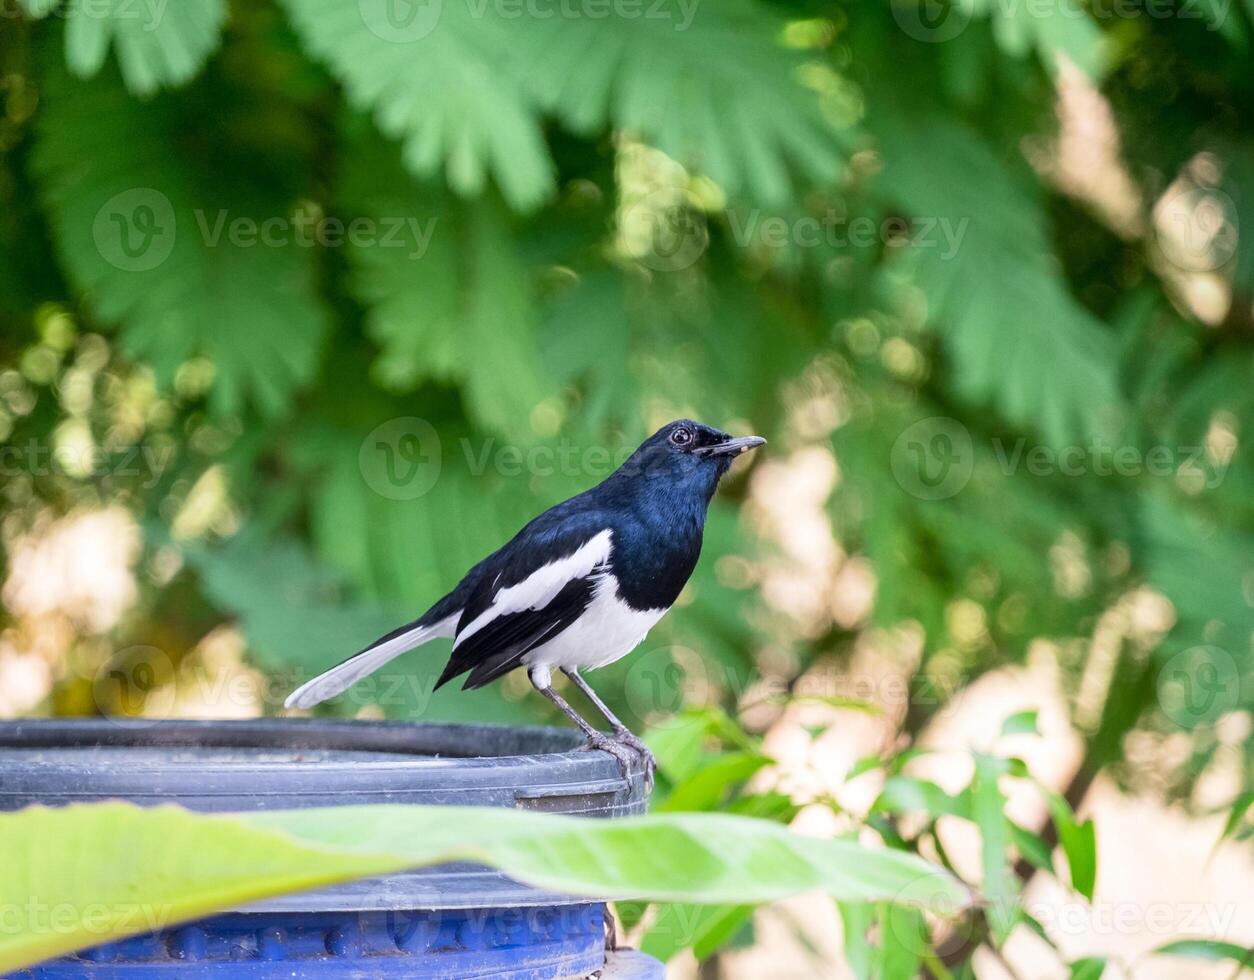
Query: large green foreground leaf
81,875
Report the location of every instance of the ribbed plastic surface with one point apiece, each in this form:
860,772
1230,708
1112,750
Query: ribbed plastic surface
503,944
270,764
453,922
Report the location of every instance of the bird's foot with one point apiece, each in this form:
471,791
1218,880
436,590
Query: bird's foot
626,737
609,743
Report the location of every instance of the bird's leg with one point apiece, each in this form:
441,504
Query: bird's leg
597,740
621,731
611,929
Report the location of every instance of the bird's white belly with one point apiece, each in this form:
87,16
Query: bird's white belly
608,630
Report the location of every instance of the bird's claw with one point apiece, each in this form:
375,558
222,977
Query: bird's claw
626,748
646,756
614,747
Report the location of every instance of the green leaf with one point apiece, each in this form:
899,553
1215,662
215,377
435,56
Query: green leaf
159,45
586,335
292,612
435,85
706,788
693,91
1207,949
84,858
703,928
906,793
1032,847
1065,28
1201,566
1020,723
678,744
411,292
767,806
408,548
448,297
505,380
1078,842
1055,369
38,8
466,88
1089,968
146,230
836,701
864,765
856,920
988,809
1240,807
903,940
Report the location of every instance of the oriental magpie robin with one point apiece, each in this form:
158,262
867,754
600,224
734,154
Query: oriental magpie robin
580,586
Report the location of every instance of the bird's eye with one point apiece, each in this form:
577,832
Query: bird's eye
681,436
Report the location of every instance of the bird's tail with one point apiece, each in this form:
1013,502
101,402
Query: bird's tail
344,675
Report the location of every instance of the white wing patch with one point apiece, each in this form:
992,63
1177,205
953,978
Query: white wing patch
608,630
539,588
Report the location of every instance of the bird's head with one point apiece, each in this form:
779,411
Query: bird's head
688,453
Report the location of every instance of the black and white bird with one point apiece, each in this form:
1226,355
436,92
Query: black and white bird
578,587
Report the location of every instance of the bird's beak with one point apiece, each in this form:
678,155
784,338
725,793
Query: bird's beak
733,447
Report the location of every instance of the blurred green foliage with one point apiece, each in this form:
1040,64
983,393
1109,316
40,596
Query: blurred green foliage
997,259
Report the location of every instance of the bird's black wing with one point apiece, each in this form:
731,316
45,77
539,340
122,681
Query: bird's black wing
497,645
500,646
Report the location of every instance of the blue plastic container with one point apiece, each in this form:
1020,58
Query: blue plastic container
452,921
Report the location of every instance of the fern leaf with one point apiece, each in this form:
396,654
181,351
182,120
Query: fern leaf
153,250
1018,338
686,81
437,88
452,301
466,87
159,45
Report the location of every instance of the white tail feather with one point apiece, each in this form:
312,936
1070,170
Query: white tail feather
343,676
